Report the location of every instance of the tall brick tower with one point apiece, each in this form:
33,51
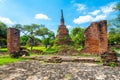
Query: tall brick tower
63,33
13,40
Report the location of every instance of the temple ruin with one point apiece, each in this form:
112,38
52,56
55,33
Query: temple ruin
96,41
63,33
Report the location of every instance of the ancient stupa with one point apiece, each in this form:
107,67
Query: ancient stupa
63,33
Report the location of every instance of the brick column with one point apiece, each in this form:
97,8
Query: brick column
13,40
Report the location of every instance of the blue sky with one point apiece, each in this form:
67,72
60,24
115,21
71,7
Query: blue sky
76,12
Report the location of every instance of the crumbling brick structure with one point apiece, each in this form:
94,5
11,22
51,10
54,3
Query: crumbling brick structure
63,33
13,40
96,41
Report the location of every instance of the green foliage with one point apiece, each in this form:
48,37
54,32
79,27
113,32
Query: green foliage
48,36
3,30
117,19
29,31
116,22
18,26
77,35
112,64
45,41
43,31
23,40
113,37
49,50
3,34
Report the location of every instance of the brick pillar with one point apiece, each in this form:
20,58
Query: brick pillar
13,40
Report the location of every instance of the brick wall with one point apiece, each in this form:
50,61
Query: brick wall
96,41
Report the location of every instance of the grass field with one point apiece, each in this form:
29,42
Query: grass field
7,59
51,50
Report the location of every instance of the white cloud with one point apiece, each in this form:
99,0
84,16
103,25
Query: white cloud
100,17
42,16
95,12
6,20
80,7
83,19
69,26
108,8
89,18
101,14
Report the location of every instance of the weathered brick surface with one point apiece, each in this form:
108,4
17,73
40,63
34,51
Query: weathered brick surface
103,36
13,40
63,33
96,41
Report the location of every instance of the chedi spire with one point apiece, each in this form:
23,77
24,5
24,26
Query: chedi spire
62,18
63,33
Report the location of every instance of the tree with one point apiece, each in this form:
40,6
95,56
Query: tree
77,35
116,22
51,37
29,30
3,34
3,30
43,31
23,40
47,36
114,37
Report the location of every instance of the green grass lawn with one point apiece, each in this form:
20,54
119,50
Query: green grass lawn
51,50
7,59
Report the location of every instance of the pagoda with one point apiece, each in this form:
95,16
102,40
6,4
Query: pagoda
63,33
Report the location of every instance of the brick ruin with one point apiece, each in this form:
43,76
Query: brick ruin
96,41
13,40
63,33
